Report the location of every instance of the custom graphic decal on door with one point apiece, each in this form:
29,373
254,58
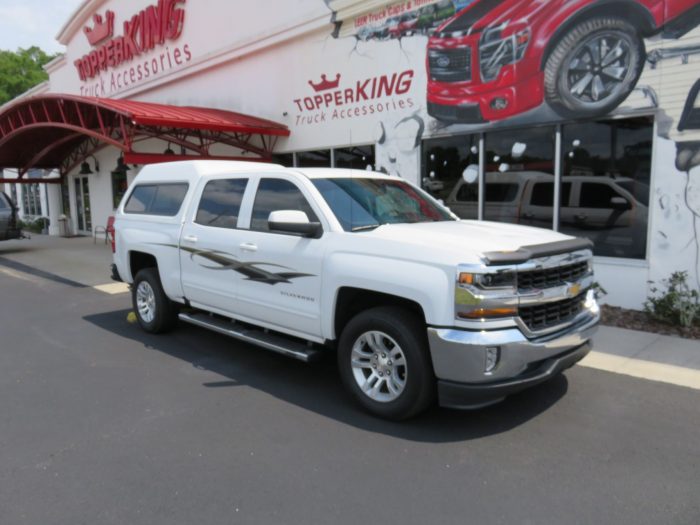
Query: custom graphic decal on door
251,270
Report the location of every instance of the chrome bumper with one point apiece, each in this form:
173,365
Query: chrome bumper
459,359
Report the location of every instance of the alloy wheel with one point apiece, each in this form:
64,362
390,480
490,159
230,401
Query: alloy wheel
379,366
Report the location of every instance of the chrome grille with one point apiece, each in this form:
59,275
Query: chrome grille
551,277
542,316
450,65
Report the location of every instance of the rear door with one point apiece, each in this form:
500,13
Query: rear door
281,287
209,245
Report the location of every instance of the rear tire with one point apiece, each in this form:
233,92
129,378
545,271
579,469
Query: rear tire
155,312
384,362
594,67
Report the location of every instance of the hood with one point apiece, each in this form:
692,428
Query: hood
464,237
484,14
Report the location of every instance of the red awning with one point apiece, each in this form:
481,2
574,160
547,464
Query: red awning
58,131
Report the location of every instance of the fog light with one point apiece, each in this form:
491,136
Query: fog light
591,303
499,103
492,357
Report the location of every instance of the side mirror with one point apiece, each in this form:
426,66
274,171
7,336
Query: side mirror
294,221
620,203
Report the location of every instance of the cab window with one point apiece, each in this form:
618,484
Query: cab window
221,203
275,195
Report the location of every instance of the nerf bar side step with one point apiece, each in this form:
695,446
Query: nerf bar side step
256,336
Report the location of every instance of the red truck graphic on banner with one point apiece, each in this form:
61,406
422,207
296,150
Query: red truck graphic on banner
499,58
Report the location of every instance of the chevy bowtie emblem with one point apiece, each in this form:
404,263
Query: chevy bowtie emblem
573,290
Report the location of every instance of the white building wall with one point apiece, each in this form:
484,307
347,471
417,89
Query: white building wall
260,61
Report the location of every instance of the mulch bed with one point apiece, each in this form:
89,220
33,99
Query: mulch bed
634,320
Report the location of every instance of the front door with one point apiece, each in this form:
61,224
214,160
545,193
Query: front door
82,201
280,284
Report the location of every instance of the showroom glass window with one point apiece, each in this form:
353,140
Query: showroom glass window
285,159
357,157
119,187
608,167
519,179
314,159
450,172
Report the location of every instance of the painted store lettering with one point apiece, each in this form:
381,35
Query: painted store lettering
369,89
119,80
151,27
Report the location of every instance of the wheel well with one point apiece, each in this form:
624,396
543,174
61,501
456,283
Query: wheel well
630,11
352,301
140,260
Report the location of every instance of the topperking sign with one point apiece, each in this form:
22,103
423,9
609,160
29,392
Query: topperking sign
153,27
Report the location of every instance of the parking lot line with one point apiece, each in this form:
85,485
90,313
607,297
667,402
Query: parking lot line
112,288
675,375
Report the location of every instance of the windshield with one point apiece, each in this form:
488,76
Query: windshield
363,204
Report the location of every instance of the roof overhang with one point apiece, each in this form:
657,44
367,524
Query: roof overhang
57,131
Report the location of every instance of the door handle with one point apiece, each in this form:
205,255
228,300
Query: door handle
249,247
190,238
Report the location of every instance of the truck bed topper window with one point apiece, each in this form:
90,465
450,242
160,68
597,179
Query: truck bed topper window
157,199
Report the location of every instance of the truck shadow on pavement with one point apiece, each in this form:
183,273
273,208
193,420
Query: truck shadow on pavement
316,387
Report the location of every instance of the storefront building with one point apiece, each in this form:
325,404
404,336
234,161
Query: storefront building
581,116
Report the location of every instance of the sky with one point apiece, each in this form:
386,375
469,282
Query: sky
26,23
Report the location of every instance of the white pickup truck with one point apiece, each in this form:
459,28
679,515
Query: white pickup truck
417,303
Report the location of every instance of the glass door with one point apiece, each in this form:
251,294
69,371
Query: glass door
82,200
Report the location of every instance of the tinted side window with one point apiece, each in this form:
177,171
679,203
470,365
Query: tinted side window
156,199
542,194
168,199
468,193
3,202
275,195
140,199
501,192
221,202
596,195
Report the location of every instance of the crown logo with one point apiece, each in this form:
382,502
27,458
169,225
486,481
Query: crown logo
102,29
325,84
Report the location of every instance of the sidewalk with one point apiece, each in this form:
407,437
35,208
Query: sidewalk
77,260
81,262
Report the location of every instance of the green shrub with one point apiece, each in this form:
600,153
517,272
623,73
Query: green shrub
677,304
35,226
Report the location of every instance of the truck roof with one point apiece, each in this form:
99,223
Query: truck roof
192,169
339,173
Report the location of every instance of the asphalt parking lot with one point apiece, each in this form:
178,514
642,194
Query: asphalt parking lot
102,423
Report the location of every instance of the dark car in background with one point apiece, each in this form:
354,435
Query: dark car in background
8,219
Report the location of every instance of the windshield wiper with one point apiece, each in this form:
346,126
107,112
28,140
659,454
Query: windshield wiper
365,227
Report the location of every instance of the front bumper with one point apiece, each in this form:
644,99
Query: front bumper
459,358
474,102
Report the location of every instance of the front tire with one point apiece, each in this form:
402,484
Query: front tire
155,312
594,68
384,362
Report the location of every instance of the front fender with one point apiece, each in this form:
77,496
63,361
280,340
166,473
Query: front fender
429,286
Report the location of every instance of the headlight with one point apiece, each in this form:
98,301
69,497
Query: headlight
496,51
488,280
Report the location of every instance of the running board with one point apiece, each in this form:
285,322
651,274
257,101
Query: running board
256,336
